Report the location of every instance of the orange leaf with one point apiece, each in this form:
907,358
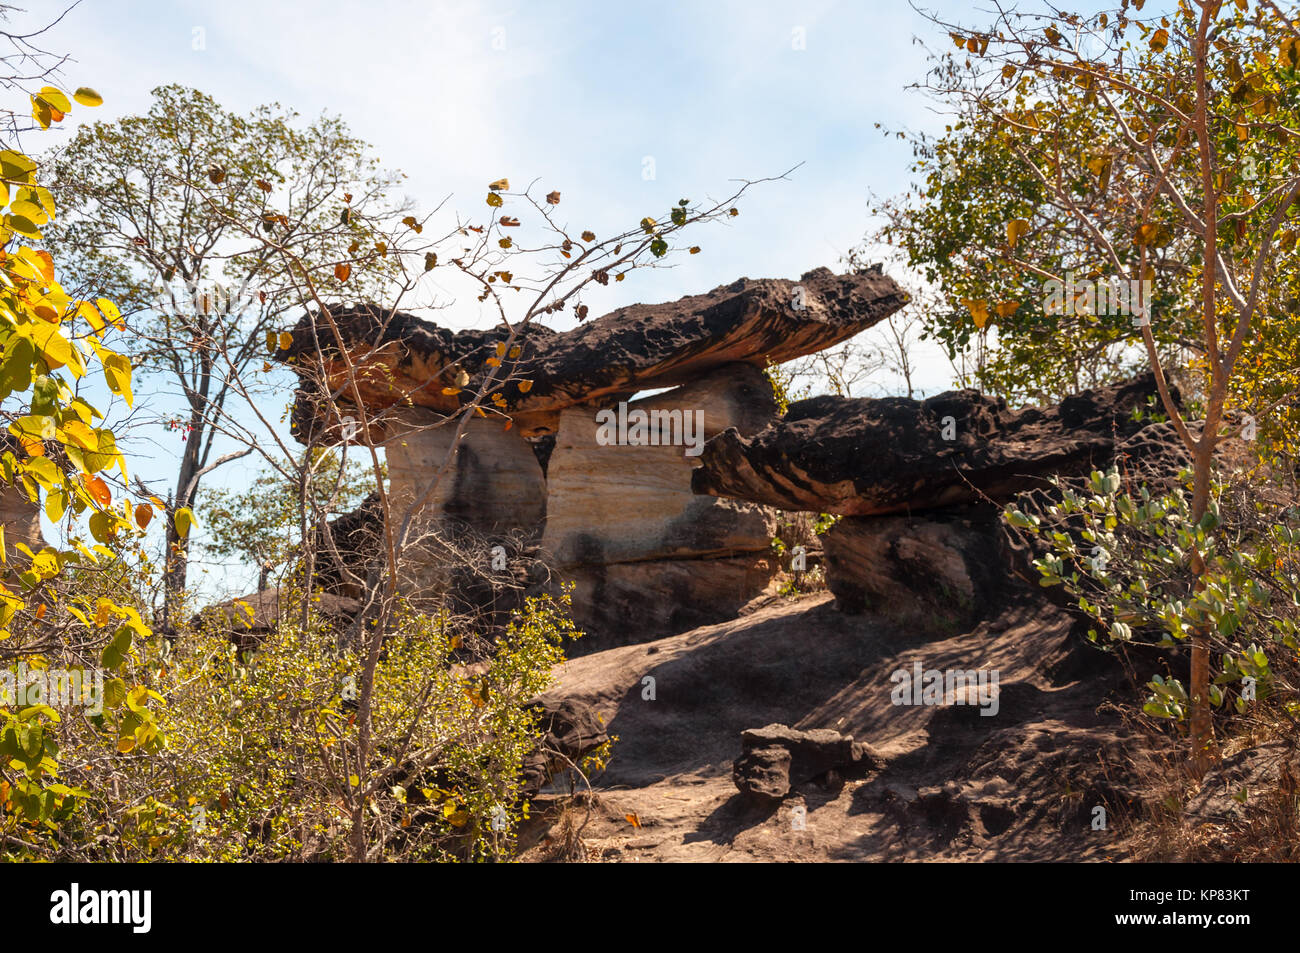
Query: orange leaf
633,819
342,271
143,514
47,265
97,489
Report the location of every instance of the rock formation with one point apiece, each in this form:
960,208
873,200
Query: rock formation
403,359
588,477
867,457
920,485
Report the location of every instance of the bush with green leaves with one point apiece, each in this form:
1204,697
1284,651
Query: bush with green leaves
256,752
1125,556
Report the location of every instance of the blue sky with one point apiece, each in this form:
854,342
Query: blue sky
456,95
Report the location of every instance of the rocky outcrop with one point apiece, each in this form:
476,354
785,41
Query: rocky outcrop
920,485
570,730
874,456
578,469
940,781
938,569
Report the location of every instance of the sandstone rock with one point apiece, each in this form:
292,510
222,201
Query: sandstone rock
624,603
571,730
494,485
402,358
21,519
940,567
862,457
777,758
345,554
621,503
648,556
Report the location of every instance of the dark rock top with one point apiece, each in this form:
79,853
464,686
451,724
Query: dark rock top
864,456
637,347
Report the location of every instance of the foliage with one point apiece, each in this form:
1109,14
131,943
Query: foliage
57,457
1045,174
1121,555
185,215
261,523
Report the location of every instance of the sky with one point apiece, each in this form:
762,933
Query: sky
589,98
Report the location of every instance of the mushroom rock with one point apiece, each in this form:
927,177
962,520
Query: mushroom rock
399,358
597,481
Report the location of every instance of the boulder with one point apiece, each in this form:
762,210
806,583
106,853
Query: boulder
776,759
946,567
571,729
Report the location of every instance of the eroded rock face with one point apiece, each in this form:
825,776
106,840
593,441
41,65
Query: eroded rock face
647,555
867,457
494,485
616,503
493,494
935,569
21,519
623,603
403,358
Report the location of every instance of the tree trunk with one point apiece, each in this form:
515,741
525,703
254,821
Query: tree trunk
177,557
1202,731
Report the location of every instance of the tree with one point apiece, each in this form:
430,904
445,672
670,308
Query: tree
259,523
528,263
156,206
1158,159
56,456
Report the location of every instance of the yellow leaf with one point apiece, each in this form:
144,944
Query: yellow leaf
286,340
117,371
979,309
110,313
80,434
1159,39
500,185
92,316
88,97
1017,228
184,519
525,386
124,745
